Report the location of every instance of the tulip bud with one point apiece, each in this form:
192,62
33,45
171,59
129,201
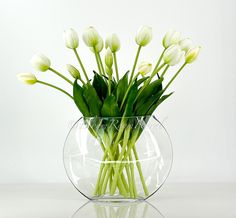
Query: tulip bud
192,54
40,62
113,42
73,71
144,35
91,37
144,68
71,38
108,58
27,78
98,48
173,55
172,37
186,44
109,71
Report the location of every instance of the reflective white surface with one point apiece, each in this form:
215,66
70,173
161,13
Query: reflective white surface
62,200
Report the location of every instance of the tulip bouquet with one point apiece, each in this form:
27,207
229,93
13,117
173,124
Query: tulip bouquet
137,93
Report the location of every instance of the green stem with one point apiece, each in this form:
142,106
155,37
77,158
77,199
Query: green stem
101,64
177,73
123,179
98,63
60,75
129,180
120,181
120,166
164,72
117,165
119,134
109,84
122,188
104,169
140,171
81,65
116,66
132,176
100,173
159,60
122,184
82,81
110,180
127,91
55,87
107,176
135,63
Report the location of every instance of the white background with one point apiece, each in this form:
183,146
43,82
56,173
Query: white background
200,116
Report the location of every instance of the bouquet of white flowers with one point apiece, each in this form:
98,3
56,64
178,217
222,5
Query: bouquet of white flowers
137,93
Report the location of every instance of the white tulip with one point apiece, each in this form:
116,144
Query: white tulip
144,68
71,38
40,62
109,58
173,55
144,35
91,37
172,37
186,44
27,78
98,48
73,71
113,42
192,54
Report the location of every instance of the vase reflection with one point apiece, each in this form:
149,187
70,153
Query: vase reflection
137,209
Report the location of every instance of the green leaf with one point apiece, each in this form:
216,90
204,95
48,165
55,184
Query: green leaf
110,107
93,101
143,109
113,85
79,99
121,88
129,105
163,98
149,90
140,81
100,85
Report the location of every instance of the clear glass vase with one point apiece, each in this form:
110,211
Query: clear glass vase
117,158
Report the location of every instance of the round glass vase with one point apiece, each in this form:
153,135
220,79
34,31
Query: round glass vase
117,158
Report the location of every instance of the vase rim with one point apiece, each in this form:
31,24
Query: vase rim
128,117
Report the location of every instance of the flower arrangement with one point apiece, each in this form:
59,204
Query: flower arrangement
137,93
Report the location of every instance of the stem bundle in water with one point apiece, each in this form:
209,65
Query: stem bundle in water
117,172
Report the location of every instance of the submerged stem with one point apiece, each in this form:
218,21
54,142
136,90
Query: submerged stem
132,176
140,171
